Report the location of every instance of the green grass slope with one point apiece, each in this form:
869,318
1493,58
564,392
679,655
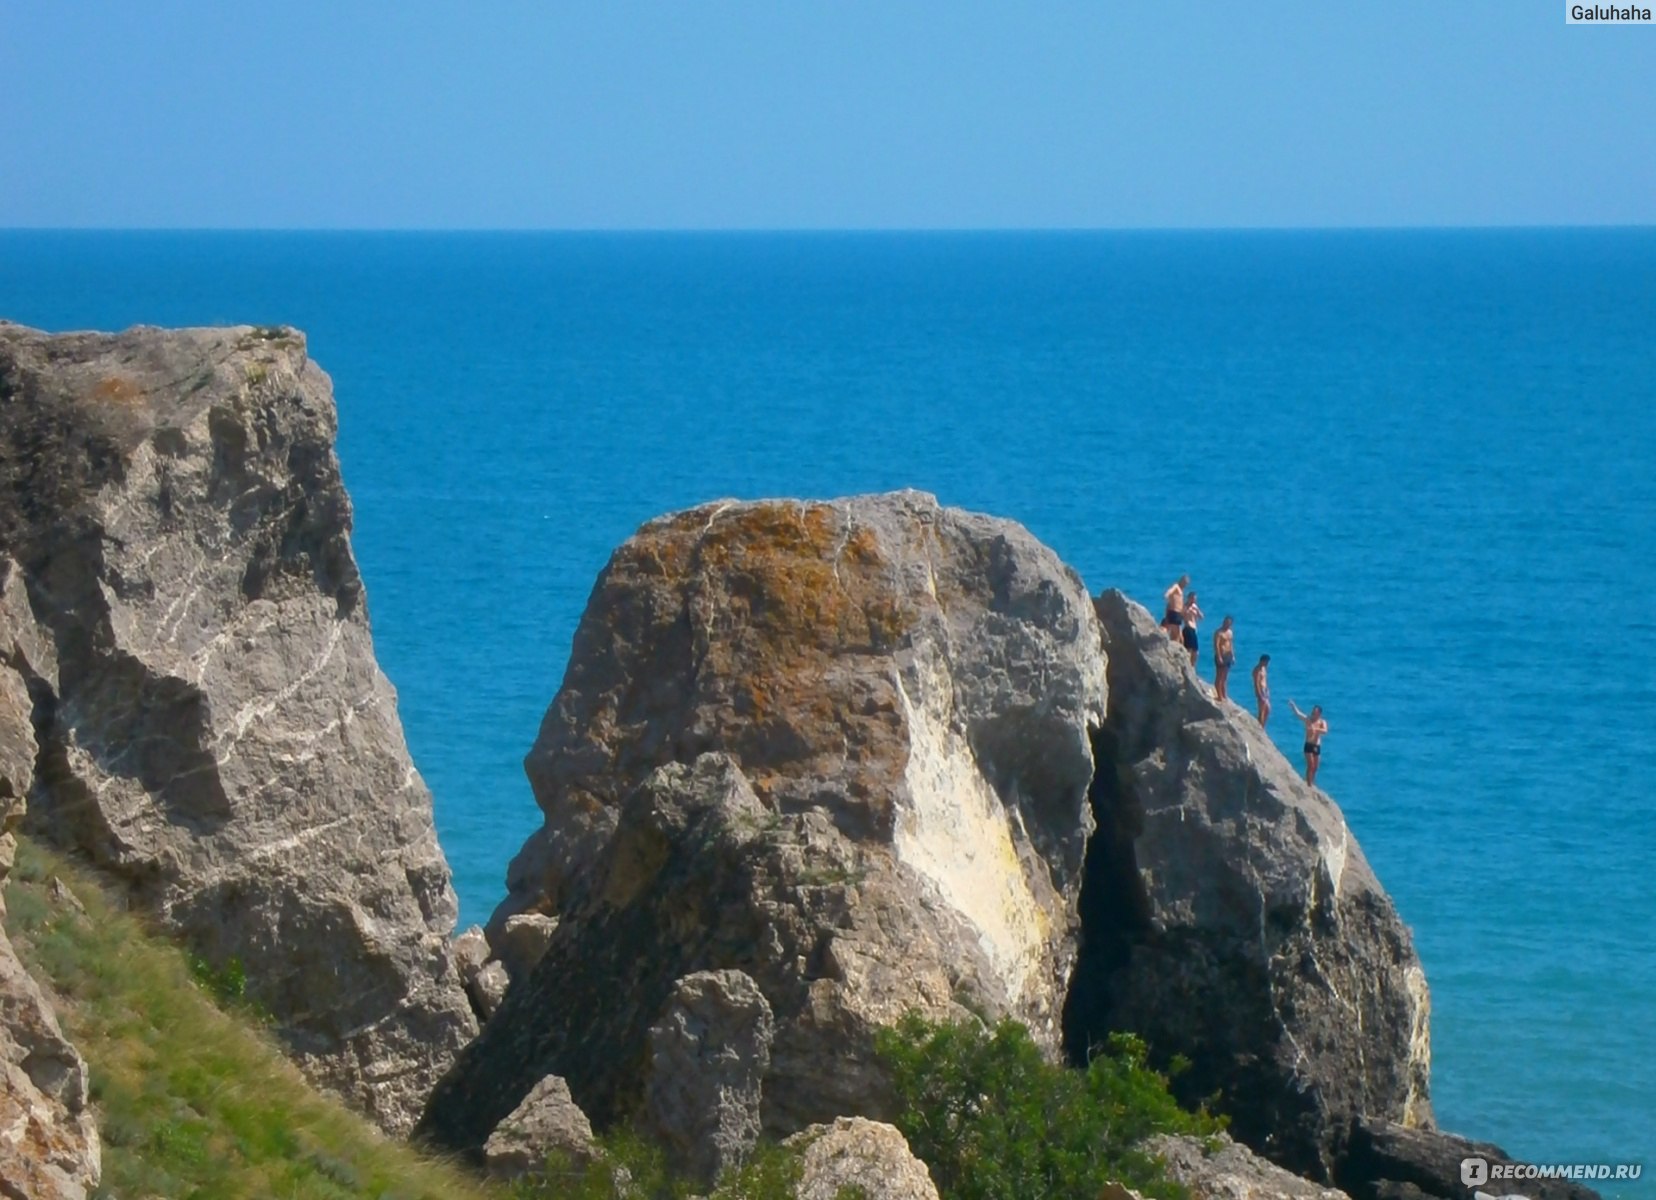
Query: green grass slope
194,1100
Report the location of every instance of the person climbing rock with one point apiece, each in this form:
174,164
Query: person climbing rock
1224,656
1315,727
1262,688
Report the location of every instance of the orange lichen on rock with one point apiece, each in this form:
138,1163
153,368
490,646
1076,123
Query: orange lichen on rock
114,389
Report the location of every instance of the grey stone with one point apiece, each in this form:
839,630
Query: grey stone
215,732
708,1056
842,747
859,1154
49,1145
1388,1161
471,951
1237,921
521,940
547,1122
1223,1169
487,989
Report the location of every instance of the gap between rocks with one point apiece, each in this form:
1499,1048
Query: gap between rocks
1113,908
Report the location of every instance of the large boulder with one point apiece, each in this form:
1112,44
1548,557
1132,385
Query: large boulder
858,1157
215,732
1219,1168
708,1056
1232,918
842,747
49,1145
548,1122
1388,1161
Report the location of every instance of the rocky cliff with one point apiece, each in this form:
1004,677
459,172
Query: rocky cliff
212,728
841,747
49,1145
1231,917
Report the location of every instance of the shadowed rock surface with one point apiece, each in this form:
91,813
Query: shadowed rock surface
899,697
1387,1161
216,733
1232,918
708,1056
49,1145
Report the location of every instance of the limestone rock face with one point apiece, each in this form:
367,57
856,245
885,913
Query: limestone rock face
547,1121
215,731
855,1153
1230,1171
708,1056
1237,921
49,1145
842,747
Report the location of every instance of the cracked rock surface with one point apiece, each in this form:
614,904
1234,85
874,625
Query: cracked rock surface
49,1144
214,731
841,747
1231,918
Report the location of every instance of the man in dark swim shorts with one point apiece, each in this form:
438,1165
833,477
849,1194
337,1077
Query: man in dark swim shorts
1192,614
1315,727
1224,657
1173,618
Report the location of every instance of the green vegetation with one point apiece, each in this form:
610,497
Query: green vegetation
194,1101
633,1169
995,1121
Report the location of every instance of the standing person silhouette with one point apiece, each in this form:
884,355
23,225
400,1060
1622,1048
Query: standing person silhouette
1173,615
1315,727
1192,614
1262,688
1224,656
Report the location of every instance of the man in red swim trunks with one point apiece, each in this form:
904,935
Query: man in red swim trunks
1315,727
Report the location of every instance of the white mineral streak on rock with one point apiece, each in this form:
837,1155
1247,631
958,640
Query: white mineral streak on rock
219,735
953,829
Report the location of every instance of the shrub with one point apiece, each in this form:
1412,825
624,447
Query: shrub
993,1120
630,1168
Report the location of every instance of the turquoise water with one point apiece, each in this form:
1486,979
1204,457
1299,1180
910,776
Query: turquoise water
1416,467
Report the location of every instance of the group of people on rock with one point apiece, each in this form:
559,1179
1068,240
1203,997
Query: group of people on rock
1182,617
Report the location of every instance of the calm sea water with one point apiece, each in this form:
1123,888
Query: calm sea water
1418,468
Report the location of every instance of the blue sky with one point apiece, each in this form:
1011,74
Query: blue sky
850,114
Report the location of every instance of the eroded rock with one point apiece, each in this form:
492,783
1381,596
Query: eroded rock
842,747
708,1056
215,732
1237,921
1220,1168
49,1144
864,1157
1388,1161
547,1122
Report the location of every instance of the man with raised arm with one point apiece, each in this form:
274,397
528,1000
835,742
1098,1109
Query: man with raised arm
1315,727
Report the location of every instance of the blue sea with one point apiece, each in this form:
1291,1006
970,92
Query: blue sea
1419,468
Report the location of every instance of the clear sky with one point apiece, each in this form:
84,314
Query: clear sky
832,113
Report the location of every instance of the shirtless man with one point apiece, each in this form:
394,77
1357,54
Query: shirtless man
1192,615
1315,727
1262,688
1224,656
1173,621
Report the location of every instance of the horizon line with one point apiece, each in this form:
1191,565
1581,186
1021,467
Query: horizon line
936,230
